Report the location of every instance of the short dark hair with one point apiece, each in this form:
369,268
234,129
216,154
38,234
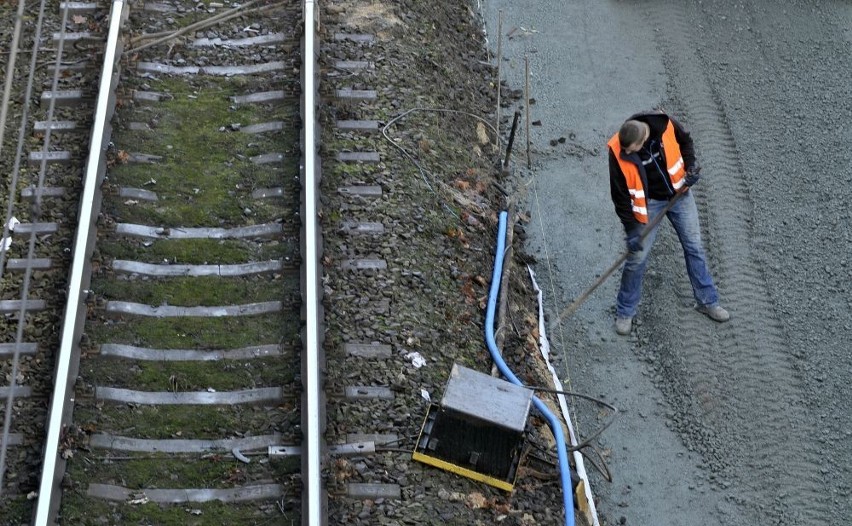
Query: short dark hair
631,132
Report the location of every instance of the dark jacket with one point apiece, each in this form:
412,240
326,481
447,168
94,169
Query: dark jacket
657,121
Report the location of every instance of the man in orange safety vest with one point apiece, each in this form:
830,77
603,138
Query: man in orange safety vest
651,161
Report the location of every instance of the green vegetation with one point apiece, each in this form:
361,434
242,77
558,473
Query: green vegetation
196,291
196,251
197,333
148,470
81,511
176,421
204,175
16,509
224,375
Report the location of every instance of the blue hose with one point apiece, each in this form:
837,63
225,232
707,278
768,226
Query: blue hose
553,422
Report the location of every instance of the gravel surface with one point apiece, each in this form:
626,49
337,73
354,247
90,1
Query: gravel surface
741,423
737,424
438,241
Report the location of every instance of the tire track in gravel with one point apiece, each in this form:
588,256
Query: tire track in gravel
735,395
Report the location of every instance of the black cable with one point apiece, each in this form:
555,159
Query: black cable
581,447
602,468
551,460
597,433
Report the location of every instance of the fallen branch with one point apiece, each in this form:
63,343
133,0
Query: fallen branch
165,36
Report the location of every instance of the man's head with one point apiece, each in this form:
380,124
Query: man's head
632,135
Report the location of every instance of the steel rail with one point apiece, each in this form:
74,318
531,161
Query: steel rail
13,188
313,510
28,271
48,133
48,501
10,72
22,130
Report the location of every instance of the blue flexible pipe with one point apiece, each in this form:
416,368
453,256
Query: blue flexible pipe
553,422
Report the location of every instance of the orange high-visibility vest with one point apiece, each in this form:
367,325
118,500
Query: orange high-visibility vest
674,166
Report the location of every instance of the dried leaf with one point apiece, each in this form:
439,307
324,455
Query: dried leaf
482,133
468,293
476,501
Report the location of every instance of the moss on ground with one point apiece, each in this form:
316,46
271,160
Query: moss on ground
198,422
197,333
224,375
83,511
150,470
199,291
196,251
16,509
204,175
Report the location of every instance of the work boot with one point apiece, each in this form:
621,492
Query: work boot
623,325
714,312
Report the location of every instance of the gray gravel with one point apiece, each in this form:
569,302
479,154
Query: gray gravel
742,423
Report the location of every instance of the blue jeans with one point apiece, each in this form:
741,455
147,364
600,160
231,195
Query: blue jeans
684,218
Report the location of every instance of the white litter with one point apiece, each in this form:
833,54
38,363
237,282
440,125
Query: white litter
425,394
417,360
5,243
13,222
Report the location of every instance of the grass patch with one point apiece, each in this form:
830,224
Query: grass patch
197,333
79,510
203,194
202,290
146,470
225,375
196,251
16,509
198,422
204,176
185,211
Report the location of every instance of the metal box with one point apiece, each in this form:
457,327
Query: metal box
478,429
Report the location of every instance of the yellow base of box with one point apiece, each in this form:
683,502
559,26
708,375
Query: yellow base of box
458,470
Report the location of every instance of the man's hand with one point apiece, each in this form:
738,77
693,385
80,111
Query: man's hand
693,174
634,239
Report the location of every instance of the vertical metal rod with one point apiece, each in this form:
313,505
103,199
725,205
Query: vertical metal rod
527,104
499,67
511,139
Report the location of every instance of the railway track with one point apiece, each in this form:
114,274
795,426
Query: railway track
192,354
46,114
181,377
178,370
